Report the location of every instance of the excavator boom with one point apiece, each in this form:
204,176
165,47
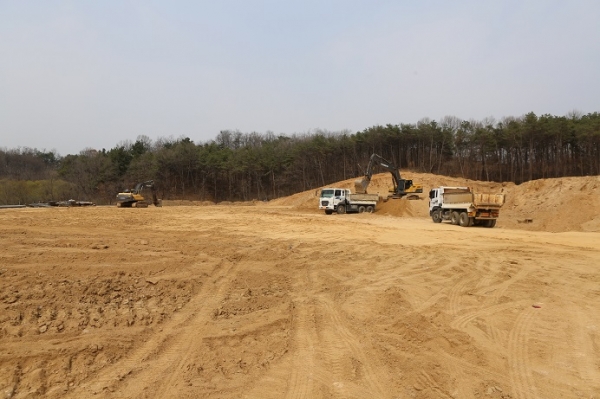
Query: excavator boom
401,188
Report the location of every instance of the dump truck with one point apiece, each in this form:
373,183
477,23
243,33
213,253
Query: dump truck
462,206
341,200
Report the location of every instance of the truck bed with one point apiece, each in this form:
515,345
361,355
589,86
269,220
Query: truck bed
478,200
488,200
364,197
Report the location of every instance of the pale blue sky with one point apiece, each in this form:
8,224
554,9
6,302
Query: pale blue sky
91,74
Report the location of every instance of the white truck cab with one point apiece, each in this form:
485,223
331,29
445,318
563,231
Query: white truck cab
331,197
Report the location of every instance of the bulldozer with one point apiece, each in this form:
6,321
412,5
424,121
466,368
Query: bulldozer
135,199
402,188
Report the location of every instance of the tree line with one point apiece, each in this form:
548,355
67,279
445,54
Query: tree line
238,166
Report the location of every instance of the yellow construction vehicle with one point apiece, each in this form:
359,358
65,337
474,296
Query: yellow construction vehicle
135,199
402,188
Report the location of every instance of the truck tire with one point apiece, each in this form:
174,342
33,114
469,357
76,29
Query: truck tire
436,216
341,209
454,217
370,209
361,209
489,223
464,220
328,211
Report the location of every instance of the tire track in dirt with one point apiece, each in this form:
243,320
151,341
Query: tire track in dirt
466,277
432,300
491,333
304,372
484,282
300,381
495,335
431,264
297,375
499,289
416,304
427,382
463,366
454,295
464,372
461,322
176,357
339,340
521,377
585,346
162,357
335,352
404,278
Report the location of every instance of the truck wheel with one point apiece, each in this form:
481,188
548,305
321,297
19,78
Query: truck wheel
464,220
361,209
490,223
436,216
328,211
341,209
370,209
454,217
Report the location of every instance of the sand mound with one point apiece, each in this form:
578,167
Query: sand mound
555,205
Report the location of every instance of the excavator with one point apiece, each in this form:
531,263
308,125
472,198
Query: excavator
135,199
402,188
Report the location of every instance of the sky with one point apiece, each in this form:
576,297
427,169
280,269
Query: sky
76,75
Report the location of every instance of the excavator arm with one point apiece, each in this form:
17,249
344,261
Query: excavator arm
138,187
401,186
148,184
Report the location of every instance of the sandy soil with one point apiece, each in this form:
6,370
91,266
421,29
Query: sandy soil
279,300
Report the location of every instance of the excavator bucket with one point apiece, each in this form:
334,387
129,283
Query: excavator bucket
360,185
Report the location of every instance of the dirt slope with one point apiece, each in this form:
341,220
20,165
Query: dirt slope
279,300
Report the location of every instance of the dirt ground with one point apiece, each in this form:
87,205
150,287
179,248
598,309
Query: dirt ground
279,300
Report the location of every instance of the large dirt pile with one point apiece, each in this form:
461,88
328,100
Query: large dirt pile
555,205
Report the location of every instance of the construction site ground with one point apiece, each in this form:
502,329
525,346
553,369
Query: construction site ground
278,300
